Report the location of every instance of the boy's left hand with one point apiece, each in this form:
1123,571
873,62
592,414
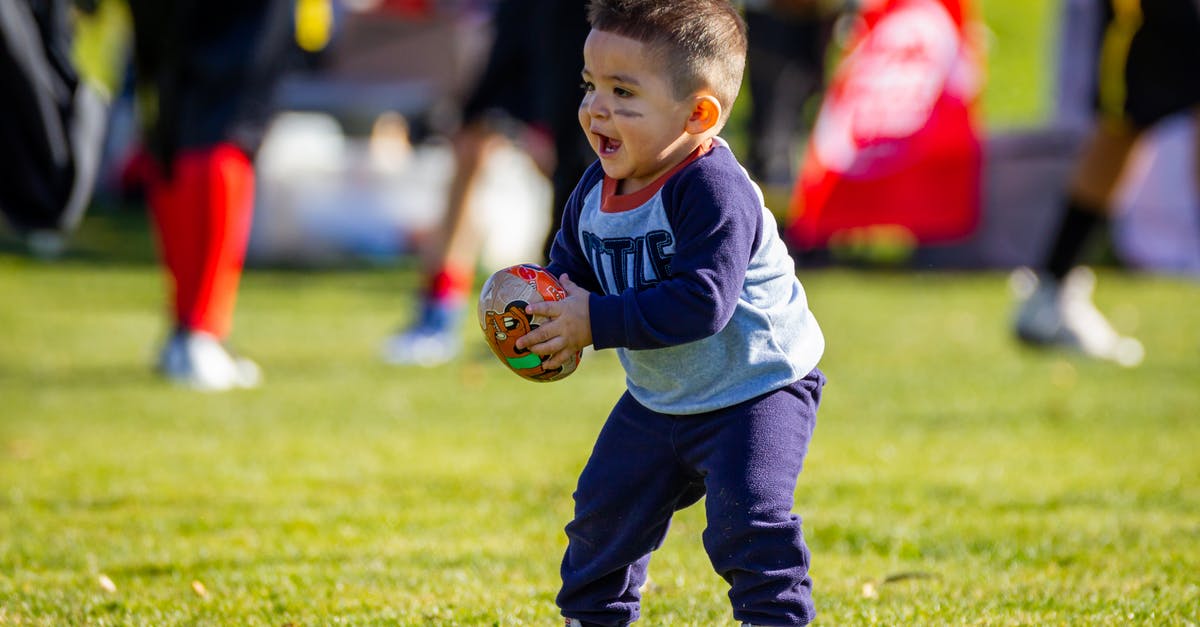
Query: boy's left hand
569,328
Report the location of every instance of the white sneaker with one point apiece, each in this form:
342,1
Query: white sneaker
198,360
1062,314
46,244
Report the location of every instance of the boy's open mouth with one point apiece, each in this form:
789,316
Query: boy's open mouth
607,144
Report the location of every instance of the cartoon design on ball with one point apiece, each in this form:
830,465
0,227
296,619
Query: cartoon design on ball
504,327
503,319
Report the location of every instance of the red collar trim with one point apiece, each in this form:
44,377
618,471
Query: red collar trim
611,202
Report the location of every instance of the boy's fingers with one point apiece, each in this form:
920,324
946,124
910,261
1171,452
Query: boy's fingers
548,309
541,348
569,285
557,359
529,339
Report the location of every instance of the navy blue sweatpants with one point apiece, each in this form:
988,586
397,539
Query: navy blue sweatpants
646,466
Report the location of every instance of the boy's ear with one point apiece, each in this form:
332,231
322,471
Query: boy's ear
706,114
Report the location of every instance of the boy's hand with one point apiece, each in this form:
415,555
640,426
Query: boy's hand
569,328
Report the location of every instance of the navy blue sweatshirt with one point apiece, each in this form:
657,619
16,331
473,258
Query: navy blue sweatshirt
690,283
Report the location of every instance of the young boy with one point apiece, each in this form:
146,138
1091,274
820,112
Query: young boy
669,256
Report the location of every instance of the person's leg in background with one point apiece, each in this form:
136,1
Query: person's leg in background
1147,71
433,336
1059,311
527,94
449,269
201,213
785,70
205,71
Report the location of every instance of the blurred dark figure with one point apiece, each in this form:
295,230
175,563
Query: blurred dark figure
51,124
205,72
529,93
1148,69
785,69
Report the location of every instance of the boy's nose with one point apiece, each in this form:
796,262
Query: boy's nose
596,107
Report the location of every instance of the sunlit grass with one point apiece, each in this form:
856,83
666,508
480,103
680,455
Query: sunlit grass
956,478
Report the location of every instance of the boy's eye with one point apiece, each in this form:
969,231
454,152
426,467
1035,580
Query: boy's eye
587,86
621,92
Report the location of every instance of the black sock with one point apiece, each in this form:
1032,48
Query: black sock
1078,222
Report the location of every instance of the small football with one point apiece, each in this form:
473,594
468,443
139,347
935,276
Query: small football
503,319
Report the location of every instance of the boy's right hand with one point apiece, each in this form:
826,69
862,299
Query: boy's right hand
569,329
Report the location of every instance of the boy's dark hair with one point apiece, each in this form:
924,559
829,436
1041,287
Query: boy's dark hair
703,42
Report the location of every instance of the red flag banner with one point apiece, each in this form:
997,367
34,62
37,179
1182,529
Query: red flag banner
895,147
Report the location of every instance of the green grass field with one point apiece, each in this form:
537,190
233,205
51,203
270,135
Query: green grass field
955,477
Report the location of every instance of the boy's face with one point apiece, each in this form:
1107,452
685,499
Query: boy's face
629,111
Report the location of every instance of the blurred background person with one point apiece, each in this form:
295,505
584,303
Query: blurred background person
51,124
528,93
205,71
1148,69
788,42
